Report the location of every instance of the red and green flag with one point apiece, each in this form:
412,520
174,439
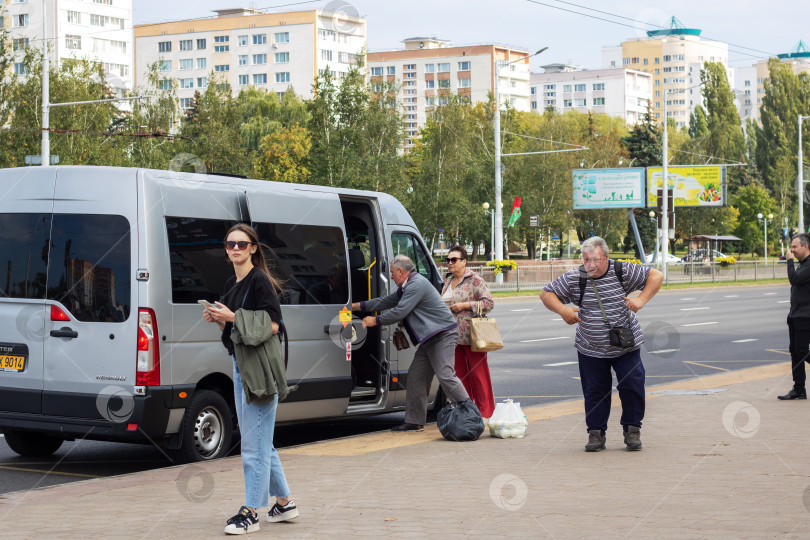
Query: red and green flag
515,212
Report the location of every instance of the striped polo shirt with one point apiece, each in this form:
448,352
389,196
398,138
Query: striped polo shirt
592,334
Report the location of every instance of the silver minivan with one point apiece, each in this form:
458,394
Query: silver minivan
101,335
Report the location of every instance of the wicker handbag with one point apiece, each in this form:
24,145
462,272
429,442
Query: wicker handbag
484,334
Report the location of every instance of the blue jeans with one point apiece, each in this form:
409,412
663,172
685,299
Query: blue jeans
264,476
597,383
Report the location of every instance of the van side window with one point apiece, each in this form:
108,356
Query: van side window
24,254
309,260
199,265
88,268
408,244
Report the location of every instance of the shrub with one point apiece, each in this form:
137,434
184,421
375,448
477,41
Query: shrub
500,266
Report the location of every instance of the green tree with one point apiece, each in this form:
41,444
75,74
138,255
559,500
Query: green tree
749,201
282,155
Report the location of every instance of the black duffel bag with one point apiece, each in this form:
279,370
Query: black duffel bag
460,421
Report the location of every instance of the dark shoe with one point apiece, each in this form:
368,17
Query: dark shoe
794,393
632,438
282,513
242,523
596,441
408,427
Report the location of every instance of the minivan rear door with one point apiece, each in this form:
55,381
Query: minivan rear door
26,203
90,275
305,239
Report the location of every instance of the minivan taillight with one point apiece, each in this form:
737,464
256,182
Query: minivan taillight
148,360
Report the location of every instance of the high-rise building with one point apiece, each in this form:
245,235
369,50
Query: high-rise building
674,56
97,30
751,80
249,47
617,91
429,71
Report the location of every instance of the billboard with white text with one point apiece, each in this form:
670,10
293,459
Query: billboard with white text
608,188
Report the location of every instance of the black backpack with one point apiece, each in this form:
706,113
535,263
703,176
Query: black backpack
583,278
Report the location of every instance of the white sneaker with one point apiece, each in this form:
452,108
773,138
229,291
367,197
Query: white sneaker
282,513
242,523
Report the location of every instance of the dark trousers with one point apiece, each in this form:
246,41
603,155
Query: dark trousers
799,334
597,383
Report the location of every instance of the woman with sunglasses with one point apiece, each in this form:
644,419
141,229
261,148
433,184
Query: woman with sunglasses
253,288
467,295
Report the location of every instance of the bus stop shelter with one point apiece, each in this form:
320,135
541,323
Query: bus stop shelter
703,247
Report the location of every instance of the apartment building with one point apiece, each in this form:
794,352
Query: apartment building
428,70
625,93
750,87
250,48
95,30
674,56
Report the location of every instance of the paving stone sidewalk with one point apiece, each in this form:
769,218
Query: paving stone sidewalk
722,458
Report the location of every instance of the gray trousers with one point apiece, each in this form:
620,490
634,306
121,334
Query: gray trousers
435,356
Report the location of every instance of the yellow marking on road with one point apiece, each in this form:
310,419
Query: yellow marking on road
704,365
780,351
386,440
26,469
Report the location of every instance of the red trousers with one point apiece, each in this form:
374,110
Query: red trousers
473,370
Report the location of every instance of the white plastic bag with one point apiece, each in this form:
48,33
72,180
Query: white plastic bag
508,421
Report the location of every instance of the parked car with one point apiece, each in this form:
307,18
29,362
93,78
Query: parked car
671,259
700,254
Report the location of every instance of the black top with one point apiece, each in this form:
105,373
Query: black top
799,279
256,291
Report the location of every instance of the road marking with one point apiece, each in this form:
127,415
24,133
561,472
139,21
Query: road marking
560,364
700,323
744,340
529,309
558,319
770,293
693,308
688,298
25,469
704,365
782,351
544,339
732,296
663,351
783,302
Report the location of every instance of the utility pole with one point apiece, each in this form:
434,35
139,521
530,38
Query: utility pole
45,149
800,179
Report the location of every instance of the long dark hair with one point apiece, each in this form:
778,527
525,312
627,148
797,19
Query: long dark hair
257,258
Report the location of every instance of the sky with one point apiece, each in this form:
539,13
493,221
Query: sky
753,30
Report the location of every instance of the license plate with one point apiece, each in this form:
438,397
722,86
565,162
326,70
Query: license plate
12,363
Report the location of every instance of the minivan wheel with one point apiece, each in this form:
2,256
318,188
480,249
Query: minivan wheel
31,444
206,430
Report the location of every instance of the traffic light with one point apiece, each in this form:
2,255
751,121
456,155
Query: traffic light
792,232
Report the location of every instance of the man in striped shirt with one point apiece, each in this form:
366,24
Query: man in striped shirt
596,355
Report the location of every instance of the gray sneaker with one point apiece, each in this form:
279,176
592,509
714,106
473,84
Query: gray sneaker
596,441
632,438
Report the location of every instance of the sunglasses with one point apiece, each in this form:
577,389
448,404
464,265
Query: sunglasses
453,260
242,244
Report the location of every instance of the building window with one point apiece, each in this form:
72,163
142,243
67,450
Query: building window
259,59
467,83
598,86
549,86
241,41
566,88
185,103
186,63
260,78
74,17
186,44
242,60
20,68
19,21
409,67
444,67
444,83
391,70
202,82
21,44
327,55
71,42
164,46
428,68
282,58
282,37
409,75
283,77
747,83
165,65
186,83
243,80
567,103
201,44
259,39
164,84
599,101
222,67
579,102
579,87
220,44
645,62
202,63
346,58
430,84
376,71
464,66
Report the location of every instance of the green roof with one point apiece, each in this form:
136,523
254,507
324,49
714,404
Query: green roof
674,28
801,51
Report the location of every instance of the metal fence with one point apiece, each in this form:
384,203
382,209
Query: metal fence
536,276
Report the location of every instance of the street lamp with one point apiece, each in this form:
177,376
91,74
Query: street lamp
800,178
498,247
765,221
491,214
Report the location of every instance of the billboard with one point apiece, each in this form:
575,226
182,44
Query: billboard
692,185
608,188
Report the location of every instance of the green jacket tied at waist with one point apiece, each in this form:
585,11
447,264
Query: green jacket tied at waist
259,356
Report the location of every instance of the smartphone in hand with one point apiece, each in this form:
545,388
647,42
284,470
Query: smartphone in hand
206,303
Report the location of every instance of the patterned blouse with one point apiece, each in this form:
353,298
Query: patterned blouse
474,290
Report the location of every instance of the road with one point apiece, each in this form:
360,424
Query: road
688,333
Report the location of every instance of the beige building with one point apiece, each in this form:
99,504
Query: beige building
428,71
249,47
750,87
674,56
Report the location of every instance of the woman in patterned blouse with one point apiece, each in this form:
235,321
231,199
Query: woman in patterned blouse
467,295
